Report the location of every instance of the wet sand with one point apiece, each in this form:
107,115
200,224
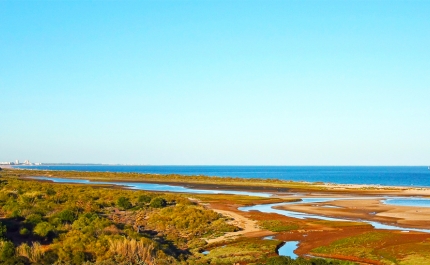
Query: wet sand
367,209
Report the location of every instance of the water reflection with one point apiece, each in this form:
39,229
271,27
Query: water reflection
288,249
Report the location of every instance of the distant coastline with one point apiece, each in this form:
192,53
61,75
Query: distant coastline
414,176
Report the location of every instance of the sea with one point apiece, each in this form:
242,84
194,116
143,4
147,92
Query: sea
416,176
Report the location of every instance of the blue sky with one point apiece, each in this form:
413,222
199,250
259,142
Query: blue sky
216,82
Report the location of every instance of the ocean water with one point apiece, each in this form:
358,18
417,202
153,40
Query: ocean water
380,175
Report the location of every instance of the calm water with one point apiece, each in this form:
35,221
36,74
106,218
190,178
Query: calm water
389,176
417,202
268,208
288,249
156,187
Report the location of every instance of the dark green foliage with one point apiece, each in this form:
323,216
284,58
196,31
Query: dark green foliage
158,202
3,230
124,203
67,216
51,191
49,258
43,229
144,198
33,219
8,250
24,232
78,258
17,261
16,214
280,260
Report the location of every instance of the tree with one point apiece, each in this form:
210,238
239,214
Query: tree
124,203
158,202
144,198
67,216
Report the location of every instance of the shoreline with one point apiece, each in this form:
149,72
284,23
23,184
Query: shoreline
240,184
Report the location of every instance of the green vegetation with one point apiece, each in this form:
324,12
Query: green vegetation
47,223
340,223
385,247
254,184
364,246
278,226
302,261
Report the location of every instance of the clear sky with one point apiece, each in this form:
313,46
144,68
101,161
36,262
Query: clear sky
215,82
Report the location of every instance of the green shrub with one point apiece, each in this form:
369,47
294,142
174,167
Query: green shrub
145,198
158,202
33,219
8,250
24,232
3,230
67,216
43,229
124,203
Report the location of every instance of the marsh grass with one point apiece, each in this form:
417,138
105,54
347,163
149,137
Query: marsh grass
241,250
172,178
238,199
369,245
341,223
278,225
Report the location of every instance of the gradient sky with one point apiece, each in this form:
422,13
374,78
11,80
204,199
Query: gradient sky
216,82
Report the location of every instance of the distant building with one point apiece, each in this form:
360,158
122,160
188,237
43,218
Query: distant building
6,163
27,162
17,162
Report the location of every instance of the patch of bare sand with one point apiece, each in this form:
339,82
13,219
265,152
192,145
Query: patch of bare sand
367,209
247,225
331,188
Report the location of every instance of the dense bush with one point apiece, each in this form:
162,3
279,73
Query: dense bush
124,203
158,202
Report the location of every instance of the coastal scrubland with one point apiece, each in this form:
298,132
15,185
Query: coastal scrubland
52,223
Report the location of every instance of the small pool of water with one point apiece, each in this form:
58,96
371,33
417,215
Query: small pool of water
288,249
206,252
415,202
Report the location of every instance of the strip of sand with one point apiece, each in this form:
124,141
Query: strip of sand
247,225
367,209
